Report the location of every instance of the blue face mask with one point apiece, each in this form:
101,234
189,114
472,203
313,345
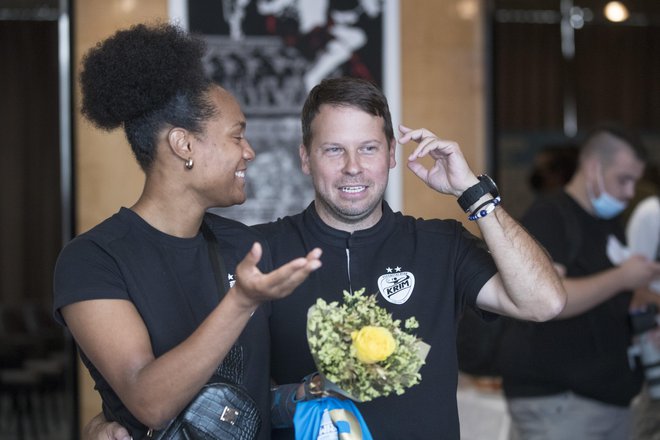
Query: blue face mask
605,205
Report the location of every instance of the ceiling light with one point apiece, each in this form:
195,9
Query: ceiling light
616,12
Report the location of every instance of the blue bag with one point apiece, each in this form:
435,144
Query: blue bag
329,418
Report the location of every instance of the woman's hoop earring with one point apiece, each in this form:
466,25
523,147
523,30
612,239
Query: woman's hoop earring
189,163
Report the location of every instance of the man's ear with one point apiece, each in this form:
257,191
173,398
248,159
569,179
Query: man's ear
392,153
304,159
179,142
592,167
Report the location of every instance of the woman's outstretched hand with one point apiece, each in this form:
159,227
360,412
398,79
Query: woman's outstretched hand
254,287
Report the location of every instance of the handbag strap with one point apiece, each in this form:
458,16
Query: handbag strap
221,279
226,372
217,263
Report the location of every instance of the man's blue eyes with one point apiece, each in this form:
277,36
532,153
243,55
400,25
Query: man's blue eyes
367,149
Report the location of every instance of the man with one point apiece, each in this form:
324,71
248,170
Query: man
348,149
570,378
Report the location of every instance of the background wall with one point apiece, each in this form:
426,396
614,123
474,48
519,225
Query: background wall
106,174
443,89
442,74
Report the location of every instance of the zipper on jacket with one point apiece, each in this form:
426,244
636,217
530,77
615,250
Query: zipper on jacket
348,270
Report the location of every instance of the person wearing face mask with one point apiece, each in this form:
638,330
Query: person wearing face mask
570,377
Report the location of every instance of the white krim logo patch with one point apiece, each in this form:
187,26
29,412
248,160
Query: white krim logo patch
396,286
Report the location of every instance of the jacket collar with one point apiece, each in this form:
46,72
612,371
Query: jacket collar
335,237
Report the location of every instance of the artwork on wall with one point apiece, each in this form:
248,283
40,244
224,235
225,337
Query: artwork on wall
269,54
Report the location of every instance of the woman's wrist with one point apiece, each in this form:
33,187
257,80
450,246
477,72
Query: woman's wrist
240,302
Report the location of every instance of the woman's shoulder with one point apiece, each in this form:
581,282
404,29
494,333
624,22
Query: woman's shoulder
103,233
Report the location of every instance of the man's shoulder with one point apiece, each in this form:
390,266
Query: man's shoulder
281,226
226,226
550,206
232,234
427,225
555,199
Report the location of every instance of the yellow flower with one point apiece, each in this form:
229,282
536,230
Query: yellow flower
373,344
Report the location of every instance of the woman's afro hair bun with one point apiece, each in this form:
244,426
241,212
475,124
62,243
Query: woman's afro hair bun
139,70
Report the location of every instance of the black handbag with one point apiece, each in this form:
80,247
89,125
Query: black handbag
222,410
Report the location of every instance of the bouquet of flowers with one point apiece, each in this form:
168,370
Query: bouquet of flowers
360,350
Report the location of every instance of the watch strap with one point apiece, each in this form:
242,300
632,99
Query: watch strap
471,195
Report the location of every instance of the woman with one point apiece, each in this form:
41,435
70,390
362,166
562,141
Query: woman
138,291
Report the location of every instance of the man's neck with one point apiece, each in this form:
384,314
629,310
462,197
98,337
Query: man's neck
577,189
342,223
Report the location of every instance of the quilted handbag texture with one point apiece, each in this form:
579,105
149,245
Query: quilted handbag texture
221,411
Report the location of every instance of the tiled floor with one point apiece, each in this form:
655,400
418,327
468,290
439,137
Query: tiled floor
483,414
482,411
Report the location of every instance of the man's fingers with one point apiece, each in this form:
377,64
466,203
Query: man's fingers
419,170
413,134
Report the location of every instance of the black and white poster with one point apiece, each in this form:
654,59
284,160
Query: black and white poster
269,54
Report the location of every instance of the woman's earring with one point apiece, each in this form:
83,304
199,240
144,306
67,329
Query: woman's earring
189,163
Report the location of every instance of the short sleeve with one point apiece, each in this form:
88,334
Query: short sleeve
545,222
475,266
84,271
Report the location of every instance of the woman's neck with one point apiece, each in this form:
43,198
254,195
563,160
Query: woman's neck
170,213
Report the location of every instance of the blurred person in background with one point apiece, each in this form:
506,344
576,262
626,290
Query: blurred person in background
570,377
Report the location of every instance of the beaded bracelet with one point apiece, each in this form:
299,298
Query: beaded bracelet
484,209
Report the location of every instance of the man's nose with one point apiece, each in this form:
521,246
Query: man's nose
352,163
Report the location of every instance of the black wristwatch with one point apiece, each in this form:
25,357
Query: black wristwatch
475,192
